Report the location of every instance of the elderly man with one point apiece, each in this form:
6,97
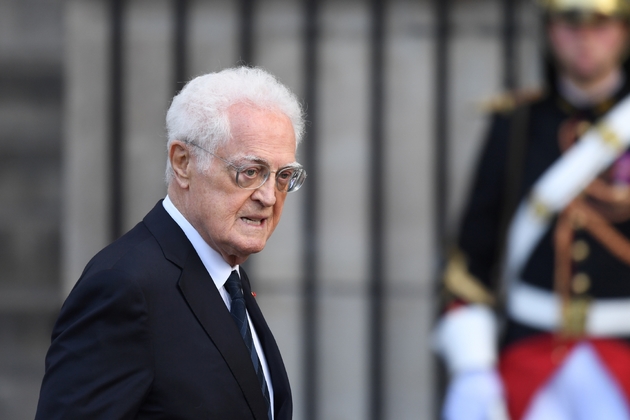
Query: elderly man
545,240
162,323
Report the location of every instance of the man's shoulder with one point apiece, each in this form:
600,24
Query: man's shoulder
157,230
150,246
132,267
132,250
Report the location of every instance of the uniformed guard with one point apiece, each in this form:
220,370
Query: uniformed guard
537,291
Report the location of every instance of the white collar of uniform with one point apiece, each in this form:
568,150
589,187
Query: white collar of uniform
580,98
216,266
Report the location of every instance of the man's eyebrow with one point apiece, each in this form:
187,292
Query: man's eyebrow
259,160
254,159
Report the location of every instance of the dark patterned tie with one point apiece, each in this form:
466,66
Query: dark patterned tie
233,286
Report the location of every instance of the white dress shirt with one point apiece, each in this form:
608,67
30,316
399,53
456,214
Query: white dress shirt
219,271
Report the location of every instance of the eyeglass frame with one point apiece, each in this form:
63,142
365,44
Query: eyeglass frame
239,169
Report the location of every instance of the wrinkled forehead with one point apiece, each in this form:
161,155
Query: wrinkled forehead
263,135
260,117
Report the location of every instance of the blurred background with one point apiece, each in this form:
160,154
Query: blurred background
394,92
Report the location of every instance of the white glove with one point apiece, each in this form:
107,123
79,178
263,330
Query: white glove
475,395
466,338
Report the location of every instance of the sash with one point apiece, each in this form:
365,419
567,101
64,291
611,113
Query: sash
594,151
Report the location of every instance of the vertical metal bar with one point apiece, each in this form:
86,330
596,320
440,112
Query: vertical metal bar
116,118
441,125
442,34
311,240
247,33
180,43
378,172
509,44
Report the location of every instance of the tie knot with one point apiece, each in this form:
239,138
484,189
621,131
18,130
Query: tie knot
233,285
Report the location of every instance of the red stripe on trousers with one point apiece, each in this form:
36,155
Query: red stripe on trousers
526,366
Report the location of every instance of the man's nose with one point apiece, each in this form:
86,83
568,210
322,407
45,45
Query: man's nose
266,193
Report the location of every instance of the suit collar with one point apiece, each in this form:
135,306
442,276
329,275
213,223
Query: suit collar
205,302
175,246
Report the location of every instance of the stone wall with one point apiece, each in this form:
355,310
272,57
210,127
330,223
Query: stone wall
31,92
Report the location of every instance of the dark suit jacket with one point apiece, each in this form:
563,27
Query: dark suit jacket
145,334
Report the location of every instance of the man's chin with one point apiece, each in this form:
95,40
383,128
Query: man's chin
246,250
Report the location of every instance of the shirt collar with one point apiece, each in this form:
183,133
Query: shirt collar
216,266
581,99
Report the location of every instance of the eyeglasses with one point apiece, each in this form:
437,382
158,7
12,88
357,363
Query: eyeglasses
251,176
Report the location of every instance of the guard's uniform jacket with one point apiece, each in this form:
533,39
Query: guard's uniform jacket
578,262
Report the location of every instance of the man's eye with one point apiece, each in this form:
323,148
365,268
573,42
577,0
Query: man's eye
285,176
251,172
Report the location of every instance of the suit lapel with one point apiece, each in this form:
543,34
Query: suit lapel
283,404
206,303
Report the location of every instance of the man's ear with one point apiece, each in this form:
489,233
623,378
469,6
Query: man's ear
181,162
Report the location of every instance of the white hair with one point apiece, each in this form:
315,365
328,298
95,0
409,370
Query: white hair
199,112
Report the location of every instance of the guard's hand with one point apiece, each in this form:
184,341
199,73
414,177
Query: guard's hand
476,395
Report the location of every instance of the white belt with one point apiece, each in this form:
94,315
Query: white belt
541,309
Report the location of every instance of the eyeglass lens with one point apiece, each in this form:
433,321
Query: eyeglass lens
287,180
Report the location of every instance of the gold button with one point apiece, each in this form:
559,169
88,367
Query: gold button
581,283
580,250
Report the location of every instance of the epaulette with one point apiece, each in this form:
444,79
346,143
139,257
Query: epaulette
506,102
